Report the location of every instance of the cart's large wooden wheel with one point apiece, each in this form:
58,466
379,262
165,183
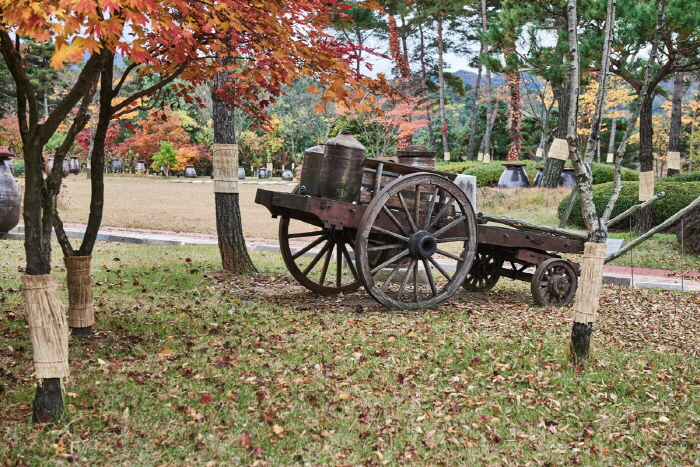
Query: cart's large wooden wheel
324,261
484,273
554,283
429,225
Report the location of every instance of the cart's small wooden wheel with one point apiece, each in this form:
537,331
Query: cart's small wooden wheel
330,268
554,283
484,273
427,222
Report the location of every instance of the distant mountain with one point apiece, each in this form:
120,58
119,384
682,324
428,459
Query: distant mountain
469,77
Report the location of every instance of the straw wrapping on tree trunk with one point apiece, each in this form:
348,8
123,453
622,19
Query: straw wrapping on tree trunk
611,158
80,301
539,153
225,162
590,283
480,156
673,160
48,329
487,158
646,185
559,149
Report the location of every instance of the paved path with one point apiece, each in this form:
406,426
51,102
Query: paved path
616,275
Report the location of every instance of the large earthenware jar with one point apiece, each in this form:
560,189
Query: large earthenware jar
190,172
341,173
538,177
9,196
65,167
513,177
262,173
241,173
310,178
567,177
287,175
74,165
116,166
140,166
417,156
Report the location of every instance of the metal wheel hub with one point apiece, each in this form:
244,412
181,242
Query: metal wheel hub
422,245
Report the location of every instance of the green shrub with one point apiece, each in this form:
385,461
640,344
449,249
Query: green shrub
678,196
486,174
456,167
18,166
603,173
685,177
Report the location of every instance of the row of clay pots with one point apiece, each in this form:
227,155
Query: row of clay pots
9,195
71,166
515,177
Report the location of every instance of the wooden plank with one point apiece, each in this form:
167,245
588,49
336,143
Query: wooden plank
403,169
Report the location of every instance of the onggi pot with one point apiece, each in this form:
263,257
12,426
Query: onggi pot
341,173
241,173
9,196
74,165
514,177
310,176
190,172
567,178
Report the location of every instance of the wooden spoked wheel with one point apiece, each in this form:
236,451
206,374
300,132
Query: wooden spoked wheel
483,274
324,260
429,226
554,283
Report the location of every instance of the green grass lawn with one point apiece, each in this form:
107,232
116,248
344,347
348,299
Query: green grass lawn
193,367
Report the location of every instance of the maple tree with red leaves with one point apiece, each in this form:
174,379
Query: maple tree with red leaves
261,46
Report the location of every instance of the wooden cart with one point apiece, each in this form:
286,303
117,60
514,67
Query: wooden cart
412,240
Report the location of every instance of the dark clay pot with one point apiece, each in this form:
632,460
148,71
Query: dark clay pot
417,156
190,172
513,177
116,166
262,173
538,177
241,173
74,165
567,178
341,173
287,175
9,196
48,167
140,166
310,178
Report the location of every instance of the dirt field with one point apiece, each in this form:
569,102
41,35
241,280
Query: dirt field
157,203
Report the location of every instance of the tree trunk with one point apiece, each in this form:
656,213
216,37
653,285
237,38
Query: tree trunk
613,130
424,89
486,142
674,137
588,301
229,229
475,110
646,156
441,83
516,138
554,167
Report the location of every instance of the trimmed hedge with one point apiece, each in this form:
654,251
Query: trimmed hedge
678,196
685,177
487,175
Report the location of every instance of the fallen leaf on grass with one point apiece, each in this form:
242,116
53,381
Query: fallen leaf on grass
244,439
165,352
278,430
206,399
